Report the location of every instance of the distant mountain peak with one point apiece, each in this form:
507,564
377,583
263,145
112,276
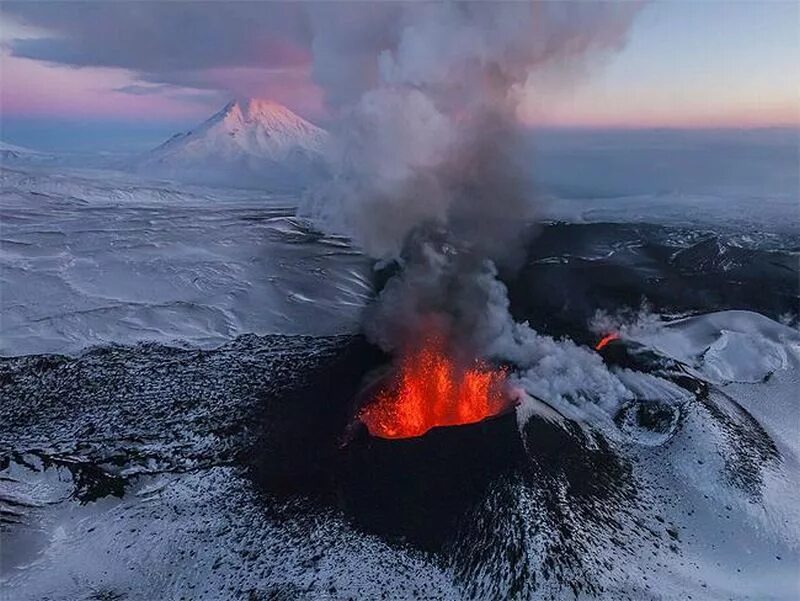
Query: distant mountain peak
273,118
254,136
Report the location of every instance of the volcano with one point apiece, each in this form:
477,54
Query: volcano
248,143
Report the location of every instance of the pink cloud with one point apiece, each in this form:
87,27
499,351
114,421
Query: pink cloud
36,89
31,88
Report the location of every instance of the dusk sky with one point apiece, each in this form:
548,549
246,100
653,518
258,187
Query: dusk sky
122,76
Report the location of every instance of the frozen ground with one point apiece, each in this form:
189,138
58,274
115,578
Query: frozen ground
134,473
207,462
94,258
744,181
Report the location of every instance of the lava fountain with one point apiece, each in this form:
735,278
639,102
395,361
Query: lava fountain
430,389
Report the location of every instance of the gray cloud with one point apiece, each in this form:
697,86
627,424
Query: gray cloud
163,36
183,44
143,90
297,45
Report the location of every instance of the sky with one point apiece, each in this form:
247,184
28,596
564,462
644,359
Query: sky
125,75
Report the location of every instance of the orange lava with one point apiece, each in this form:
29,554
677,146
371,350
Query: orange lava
605,340
430,390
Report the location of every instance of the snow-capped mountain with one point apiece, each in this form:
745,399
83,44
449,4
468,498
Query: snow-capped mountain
246,144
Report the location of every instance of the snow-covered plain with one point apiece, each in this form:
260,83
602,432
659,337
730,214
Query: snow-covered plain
743,181
98,257
94,258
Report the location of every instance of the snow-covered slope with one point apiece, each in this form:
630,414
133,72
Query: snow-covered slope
16,157
104,258
9,153
253,143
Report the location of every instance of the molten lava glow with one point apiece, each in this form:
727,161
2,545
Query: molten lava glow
605,340
430,390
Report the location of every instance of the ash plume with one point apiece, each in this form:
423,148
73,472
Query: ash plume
427,153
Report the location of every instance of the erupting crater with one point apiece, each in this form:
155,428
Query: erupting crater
605,340
431,389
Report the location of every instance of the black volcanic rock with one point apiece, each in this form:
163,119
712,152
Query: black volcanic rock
418,489
711,255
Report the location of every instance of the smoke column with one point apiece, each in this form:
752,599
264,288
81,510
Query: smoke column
426,152
428,130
